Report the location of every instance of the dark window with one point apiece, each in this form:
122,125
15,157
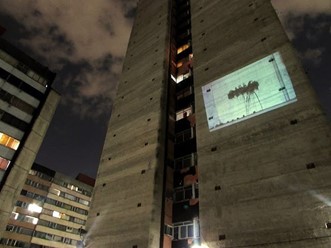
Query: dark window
20,84
16,102
13,121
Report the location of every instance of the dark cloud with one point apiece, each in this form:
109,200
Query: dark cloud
314,31
84,43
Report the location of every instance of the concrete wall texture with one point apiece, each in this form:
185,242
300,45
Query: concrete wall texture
268,197
127,200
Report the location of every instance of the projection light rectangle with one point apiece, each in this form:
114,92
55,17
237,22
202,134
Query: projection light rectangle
252,90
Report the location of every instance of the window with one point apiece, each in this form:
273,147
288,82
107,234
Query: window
36,77
67,206
36,185
24,218
183,113
22,204
184,93
186,193
182,48
8,141
9,59
35,208
186,230
4,163
55,238
55,191
84,202
183,76
185,162
184,135
18,229
14,215
20,84
179,64
31,219
13,121
40,175
56,214
169,230
14,243
33,195
22,67
68,196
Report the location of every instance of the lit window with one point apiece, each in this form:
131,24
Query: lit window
173,78
183,113
32,172
182,48
34,221
4,163
187,230
55,191
35,208
184,76
8,141
56,214
84,202
14,215
179,64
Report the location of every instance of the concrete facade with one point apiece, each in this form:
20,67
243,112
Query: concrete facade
268,197
127,200
263,182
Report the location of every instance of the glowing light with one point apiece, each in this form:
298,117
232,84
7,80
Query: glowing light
255,89
56,214
34,221
35,208
57,192
14,215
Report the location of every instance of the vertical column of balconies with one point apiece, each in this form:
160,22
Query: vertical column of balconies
184,229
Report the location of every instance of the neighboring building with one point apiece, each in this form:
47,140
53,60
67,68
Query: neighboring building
226,148
51,211
27,105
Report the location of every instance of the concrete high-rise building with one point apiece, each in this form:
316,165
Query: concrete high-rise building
27,105
51,211
216,137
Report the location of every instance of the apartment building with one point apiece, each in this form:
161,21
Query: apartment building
51,211
27,105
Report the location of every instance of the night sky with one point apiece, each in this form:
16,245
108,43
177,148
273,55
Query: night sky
85,43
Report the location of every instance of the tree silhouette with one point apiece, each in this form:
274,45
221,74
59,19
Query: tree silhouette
246,91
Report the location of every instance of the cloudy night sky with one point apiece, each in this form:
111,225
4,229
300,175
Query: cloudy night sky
84,42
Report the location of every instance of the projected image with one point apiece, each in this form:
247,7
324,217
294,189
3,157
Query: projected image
255,89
